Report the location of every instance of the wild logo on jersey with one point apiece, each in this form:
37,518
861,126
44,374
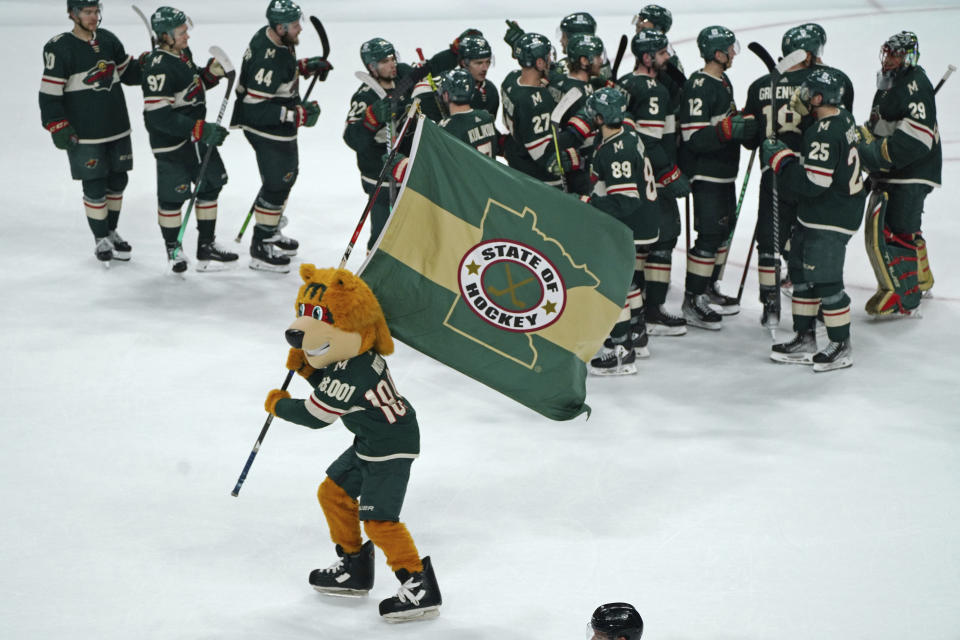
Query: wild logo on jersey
512,286
100,77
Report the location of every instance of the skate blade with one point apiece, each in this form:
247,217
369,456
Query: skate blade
622,370
663,330
842,363
342,593
121,256
792,358
211,265
710,326
105,264
260,265
410,616
725,311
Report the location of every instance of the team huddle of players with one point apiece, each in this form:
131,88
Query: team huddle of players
630,146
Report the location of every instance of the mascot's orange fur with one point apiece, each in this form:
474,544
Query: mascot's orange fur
338,342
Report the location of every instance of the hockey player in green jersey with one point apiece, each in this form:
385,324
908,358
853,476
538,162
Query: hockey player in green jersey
339,341
902,150
174,109
648,111
465,122
789,127
527,106
269,110
371,120
712,133
826,177
476,57
473,126
623,186
82,106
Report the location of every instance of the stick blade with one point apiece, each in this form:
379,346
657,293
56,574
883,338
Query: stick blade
315,21
567,101
763,54
789,60
223,59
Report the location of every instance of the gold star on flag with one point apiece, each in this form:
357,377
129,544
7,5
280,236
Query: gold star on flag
550,307
473,268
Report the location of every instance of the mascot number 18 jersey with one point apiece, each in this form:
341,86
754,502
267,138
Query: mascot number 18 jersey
361,392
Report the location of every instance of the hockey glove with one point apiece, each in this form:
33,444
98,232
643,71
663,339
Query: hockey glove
569,161
398,165
513,35
314,66
377,114
737,128
296,361
64,135
675,183
776,154
582,123
310,114
209,133
212,73
798,105
275,396
875,155
455,45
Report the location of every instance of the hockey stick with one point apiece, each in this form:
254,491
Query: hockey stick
743,278
567,101
230,73
368,80
675,74
950,69
411,111
621,49
315,21
433,85
256,446
736,216
688,223
777,70
146,23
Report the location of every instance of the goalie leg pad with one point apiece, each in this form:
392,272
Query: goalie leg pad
894,259
924,275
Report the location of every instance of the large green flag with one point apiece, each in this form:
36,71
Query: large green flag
499,276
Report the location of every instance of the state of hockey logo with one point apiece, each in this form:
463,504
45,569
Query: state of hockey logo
512,286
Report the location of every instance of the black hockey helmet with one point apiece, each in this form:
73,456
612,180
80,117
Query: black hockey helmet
615,620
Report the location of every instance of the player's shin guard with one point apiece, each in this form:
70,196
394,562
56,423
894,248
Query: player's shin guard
396,543
342,514
96,211
836,315
206,220
805,307
894,262
924,275
168,216
720,263
656,276
700,265
767,274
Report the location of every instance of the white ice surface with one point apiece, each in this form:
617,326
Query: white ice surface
723,495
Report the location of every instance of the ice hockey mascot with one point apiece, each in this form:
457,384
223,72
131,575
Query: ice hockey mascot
339,341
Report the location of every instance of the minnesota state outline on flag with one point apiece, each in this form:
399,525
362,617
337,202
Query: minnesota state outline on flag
505,279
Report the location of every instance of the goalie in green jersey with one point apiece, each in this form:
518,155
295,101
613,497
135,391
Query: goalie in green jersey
825,175
82,106
901,148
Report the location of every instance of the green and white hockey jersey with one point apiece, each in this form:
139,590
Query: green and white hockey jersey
486,97
828,180
268,88
476,128
360,392
906,115
703,156
174,99
624,185
526,115
81,84
648,111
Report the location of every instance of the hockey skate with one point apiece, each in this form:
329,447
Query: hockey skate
726,306
698,312
177,264
836,355
208,252
121,248
104,251
800,350
287,246
662,323
770,315
615,361
418,597
640,341
350,576
268,257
